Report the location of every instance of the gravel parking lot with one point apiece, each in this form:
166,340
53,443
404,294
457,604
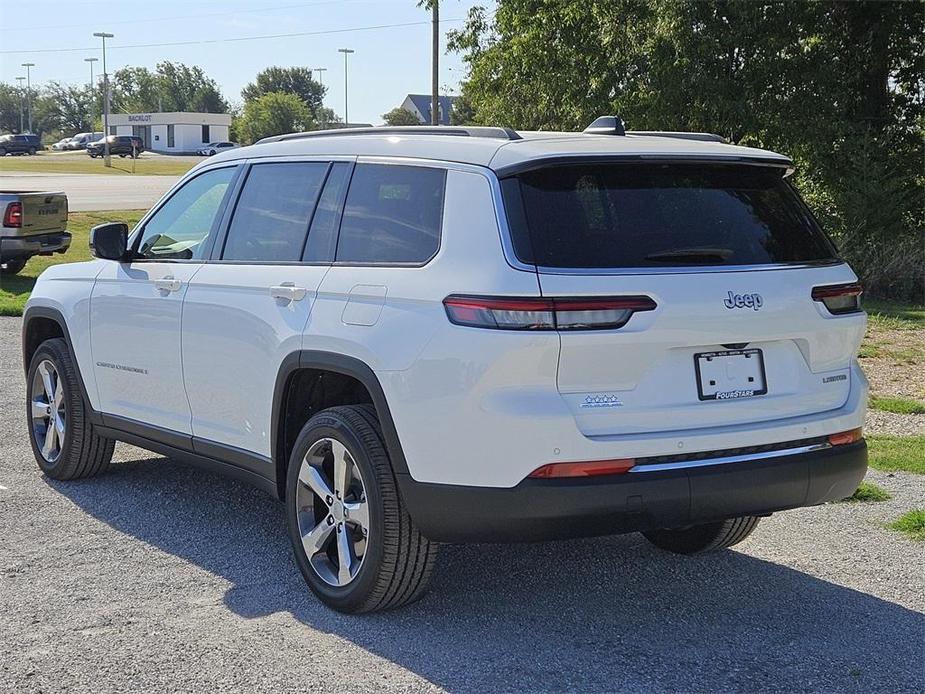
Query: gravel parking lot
157,577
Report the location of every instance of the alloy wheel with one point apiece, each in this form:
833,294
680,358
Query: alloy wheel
332,512
49,413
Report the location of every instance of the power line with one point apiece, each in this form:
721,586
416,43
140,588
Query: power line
233,40
146,20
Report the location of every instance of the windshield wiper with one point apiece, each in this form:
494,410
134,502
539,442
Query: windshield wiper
703,256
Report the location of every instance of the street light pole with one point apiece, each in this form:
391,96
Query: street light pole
29,67
346,52
20,79
92,99
106,159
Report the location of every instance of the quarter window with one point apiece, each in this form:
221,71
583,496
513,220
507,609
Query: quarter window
273,212
392,214
182,226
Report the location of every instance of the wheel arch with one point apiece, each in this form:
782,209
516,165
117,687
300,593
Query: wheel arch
302,361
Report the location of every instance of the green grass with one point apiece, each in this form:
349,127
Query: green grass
899,405
81,163
869,350
892,453
894,316
868,491
911,524
15,289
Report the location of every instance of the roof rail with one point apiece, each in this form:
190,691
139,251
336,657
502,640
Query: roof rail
702,137
453,131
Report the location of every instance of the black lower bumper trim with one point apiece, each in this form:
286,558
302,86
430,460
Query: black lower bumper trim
555,509
13,247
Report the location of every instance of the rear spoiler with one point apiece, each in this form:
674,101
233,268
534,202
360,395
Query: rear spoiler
783,163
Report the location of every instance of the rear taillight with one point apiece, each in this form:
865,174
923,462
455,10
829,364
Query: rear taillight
589,468
13,215
845,437
505,313
840,298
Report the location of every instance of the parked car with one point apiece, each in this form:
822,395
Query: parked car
424,335
20,144
213,148
81,140
33,224
123,145
61,144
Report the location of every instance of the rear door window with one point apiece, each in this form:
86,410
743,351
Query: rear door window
392,215
659,215
270,221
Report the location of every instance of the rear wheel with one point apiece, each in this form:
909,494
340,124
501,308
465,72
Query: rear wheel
32,151
64,441
709,537
353,540
11,267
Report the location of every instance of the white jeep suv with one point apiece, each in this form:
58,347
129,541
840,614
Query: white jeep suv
425,335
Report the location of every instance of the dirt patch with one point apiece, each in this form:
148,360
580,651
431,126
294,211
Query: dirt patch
894,361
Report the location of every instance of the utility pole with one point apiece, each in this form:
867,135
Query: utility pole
435,65
29,67
321,71
346,52
20,79
92,97
107,161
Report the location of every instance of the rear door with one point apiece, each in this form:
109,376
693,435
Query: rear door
730,256
246,310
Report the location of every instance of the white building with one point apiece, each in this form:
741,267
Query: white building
176,132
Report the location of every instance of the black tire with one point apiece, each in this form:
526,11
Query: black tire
2,152
32,151
11,267
709,537
92,156
84,453
398,560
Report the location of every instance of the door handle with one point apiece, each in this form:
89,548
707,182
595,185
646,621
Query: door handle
287,291
167,284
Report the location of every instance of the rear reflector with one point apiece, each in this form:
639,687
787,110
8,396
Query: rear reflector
13,215
844,437
591,468
511,313
840,298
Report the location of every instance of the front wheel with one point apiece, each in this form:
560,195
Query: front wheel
64,440
709,537
353,539
32,151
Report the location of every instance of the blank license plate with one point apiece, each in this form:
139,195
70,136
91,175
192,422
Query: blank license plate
730,375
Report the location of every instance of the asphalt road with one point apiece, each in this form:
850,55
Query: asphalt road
158,577
90,192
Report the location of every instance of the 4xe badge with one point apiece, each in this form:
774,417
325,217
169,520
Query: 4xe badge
752,301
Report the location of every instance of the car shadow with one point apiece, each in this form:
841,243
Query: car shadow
602,614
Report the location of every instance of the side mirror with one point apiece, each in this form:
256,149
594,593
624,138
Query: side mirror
109,241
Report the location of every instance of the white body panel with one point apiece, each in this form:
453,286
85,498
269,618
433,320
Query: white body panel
235,336
135,317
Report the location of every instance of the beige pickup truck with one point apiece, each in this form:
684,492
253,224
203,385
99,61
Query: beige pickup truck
31,223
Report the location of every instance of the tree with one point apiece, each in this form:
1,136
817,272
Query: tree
70,107
171,87
10,100
400,116
287,80
839,86
274,113
463,113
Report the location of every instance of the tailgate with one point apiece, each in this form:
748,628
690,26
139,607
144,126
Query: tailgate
42,213
663,370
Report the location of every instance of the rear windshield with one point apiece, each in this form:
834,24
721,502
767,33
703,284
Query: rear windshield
659,215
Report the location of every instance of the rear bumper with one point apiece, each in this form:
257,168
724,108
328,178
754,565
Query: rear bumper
13,247
555,509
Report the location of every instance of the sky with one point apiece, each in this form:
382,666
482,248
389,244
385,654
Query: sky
389,62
